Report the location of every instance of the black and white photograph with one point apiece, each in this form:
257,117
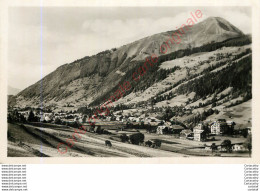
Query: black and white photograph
128,82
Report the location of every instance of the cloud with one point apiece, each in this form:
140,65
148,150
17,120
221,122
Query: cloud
128,30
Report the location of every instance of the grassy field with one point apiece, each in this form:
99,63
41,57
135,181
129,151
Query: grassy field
31,140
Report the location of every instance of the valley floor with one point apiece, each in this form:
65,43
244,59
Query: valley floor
32,141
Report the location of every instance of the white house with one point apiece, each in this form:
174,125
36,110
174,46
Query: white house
160,129
119,118
239,147
218,127
47,119
199,135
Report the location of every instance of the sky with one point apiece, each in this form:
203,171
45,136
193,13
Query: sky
40,40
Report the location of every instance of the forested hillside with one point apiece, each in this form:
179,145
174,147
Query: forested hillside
201,77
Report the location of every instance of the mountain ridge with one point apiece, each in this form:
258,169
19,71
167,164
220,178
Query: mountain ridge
90,77
13,91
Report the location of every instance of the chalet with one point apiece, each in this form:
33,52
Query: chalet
208,148
83,119
230,127
221,148
108,118
136,119
239,147
186,134
221,126
124,119
147,120
152,121
231,124
48,114
167,123
47,118
249,130
25,114
160,129
119,118
199,135
200,126
200,132
140,119
176,129
131,118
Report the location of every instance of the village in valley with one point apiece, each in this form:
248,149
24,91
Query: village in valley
185,91
113,131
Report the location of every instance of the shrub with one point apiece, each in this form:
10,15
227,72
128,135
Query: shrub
227,145
124,137
90,129
57,121
105,132
136,138
73,124
97,129
157,143
31,117
216,111
148,143
214,104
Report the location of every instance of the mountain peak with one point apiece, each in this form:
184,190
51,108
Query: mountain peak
221,23
215,18
83,80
